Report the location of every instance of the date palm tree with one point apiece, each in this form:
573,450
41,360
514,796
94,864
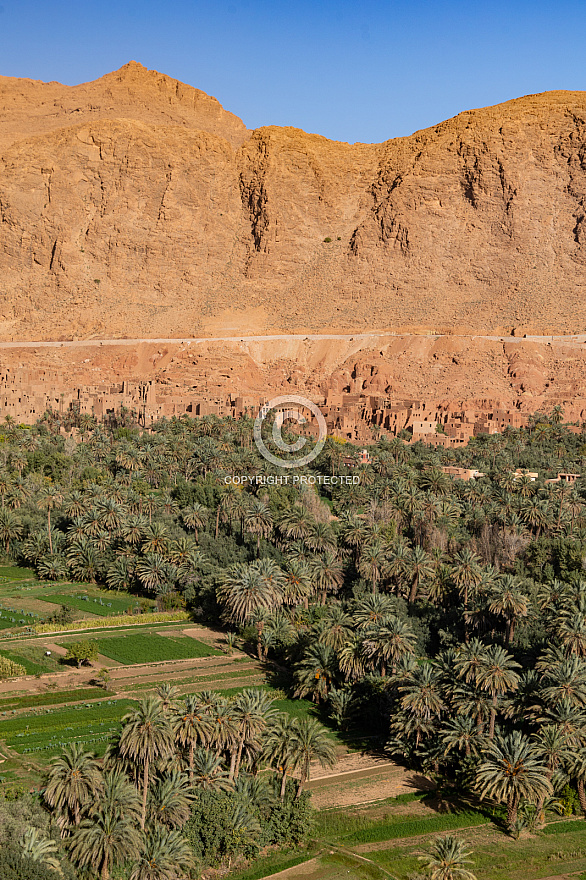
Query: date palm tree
316,672
447,859
252,708
466,573
335,627
469,659
195,517
156,539
164,855
277,746
510,603
461,732
497,676
321,538
41,849
50,499
422,695
119,575
10,529
192,726
245,592
146,736
565,681
551,746
351,658
171,799
153,571
390,642
297,584
373,610
168,694
577,770
258,521
120,797
572,632
208,772
373,562
420,568
511,770
327,573
103,841
296,523
311,742
73,781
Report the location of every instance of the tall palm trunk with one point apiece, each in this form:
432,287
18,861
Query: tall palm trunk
512,809
492,717
191,750
232,765
541,801
48,529
105,872
283,782
239,756
304,778
145,786
581,795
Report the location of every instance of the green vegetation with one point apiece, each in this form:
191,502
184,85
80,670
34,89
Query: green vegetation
51,699
14,619
102,604
82,652
10,669
152,648
33,665
16,573
90,724
446,619
407,826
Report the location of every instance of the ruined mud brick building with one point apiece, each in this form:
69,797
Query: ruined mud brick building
25,395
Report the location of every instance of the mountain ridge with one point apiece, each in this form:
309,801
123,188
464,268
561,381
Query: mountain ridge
136,205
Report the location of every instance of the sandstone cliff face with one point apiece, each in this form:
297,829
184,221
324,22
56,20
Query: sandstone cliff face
136,206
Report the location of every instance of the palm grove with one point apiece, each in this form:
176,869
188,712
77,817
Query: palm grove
449,617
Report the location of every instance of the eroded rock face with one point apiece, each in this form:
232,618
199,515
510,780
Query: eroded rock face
136,206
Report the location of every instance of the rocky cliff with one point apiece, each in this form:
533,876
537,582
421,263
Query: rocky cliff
136,206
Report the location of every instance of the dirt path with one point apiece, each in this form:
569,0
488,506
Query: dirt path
171,670
577,338
362,779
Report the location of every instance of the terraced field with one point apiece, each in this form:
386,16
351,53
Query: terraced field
11,619
93,602
46,731
152,648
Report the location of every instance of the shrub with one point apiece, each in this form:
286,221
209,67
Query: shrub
14,866
10,669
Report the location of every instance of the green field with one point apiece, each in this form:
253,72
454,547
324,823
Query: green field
15,573
49,730
103,604
34,662
152,648
51,699
497,857
11,619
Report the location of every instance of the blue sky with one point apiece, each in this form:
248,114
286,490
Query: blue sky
349,71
